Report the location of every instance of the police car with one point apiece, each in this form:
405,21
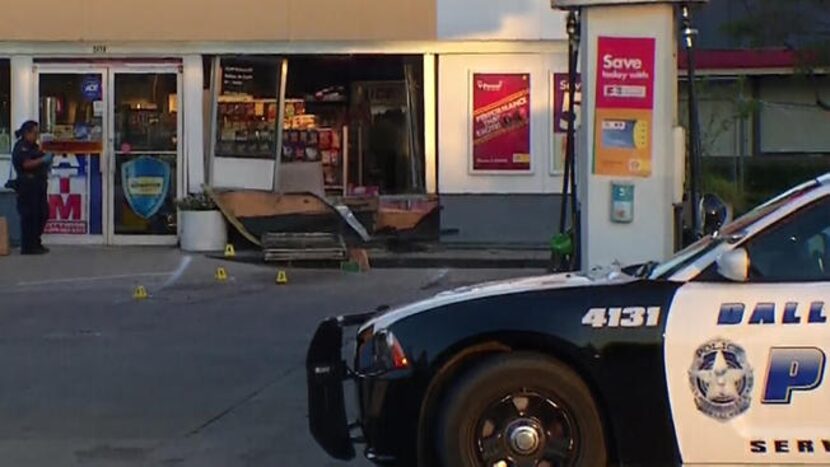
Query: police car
716,356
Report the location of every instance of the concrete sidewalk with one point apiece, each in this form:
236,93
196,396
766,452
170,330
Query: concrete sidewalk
88,263
100,266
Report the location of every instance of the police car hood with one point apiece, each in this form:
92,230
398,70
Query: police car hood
503,287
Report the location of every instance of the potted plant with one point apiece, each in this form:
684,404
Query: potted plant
202,225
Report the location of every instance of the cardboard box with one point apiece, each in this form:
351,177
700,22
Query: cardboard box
4,237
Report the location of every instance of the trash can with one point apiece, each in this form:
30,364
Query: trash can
8,209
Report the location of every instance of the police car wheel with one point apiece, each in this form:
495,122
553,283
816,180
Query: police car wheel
520,410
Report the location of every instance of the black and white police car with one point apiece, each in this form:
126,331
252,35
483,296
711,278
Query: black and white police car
716,356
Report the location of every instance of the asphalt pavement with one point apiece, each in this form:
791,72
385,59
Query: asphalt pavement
202,373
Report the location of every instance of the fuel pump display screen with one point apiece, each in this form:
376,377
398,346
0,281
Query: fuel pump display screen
624,134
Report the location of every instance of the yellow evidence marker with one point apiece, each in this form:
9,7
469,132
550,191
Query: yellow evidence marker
221,274
282,277
140,293
230,251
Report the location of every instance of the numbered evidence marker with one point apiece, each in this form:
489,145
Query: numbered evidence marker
230,251
628,317
282,277
221,274
140,293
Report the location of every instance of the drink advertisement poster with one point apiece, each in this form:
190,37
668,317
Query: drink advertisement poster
501,122
561,103
624,106
561,106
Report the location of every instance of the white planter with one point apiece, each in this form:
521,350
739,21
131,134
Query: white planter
202,231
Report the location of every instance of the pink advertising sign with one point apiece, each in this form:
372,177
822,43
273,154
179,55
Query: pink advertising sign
624,106
501,122
626,73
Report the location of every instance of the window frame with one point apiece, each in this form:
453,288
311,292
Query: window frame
763,149
7,156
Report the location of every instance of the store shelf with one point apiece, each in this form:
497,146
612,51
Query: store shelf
337,101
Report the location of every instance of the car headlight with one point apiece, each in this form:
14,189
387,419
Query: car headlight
388,352
380,352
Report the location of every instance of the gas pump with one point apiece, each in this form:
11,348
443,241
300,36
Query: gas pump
625,166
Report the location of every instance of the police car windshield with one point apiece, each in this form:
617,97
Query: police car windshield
706,244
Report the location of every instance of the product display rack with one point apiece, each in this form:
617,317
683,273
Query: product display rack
247,127
317,136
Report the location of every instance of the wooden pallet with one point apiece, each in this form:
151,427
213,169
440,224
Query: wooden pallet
5,249
312,246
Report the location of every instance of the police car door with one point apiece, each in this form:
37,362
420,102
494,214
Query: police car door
745,361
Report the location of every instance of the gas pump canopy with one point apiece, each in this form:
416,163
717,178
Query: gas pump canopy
579,3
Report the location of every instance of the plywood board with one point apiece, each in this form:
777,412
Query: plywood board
401,219
249,203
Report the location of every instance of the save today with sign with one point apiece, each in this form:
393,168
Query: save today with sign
624,106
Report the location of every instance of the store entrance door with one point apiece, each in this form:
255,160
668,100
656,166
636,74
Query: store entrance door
145,173
114,131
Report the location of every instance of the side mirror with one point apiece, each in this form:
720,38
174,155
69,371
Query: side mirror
714,213
734,265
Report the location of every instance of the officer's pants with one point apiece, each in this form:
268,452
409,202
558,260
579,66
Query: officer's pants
33,207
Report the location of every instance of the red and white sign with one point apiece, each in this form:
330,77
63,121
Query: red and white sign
501,122
626,73
67,193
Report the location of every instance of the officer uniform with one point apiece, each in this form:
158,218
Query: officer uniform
32,203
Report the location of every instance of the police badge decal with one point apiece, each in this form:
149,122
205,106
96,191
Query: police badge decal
721,379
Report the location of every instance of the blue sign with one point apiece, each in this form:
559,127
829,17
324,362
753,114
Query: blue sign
146,182
792,369
91,87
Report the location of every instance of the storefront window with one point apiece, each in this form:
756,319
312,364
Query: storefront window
247,107
358,117
793,114
351,124
71,112
5,107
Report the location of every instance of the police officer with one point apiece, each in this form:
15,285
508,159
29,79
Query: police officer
32,167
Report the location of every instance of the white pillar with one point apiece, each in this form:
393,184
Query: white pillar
193,122
24,102
650,235
430,125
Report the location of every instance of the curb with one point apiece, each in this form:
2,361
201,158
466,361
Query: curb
402,261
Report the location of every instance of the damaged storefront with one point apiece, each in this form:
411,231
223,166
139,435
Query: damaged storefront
344,128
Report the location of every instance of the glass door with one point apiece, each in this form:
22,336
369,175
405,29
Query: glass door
145,146
71,112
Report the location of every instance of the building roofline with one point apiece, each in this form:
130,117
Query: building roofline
719,59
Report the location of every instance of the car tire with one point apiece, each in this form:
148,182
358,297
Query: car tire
514,379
